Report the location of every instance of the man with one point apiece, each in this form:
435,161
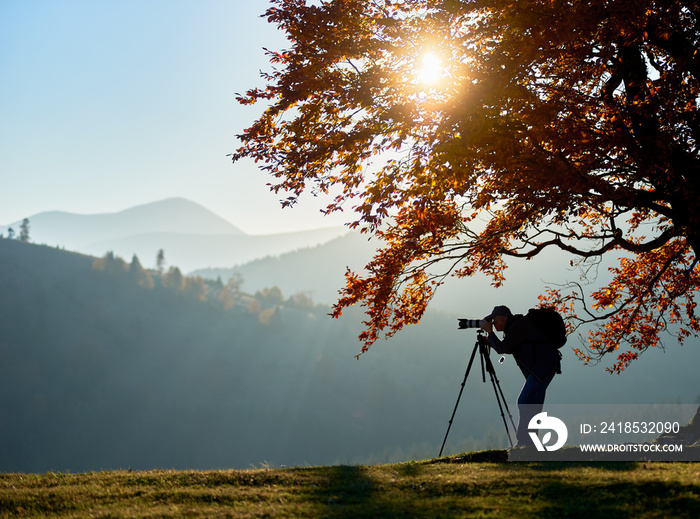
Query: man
536,358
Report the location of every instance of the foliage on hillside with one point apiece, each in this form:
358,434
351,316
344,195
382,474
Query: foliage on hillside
197,289
103,368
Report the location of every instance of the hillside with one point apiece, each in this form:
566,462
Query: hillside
191,236
318,270
99,372
195,251
461,486
174,215
102,371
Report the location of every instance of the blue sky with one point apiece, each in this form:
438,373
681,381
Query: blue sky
113,103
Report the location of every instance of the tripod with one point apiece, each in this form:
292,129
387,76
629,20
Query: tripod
486,365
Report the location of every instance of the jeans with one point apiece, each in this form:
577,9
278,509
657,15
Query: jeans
530,403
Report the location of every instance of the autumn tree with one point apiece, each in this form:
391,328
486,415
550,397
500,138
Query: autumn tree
301,300
463,133
235,282
226,298
111,264
270,297
173,280
195,288
140,276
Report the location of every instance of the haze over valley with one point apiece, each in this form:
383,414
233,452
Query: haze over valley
191,236
111,363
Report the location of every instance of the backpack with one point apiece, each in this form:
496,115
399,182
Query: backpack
550,323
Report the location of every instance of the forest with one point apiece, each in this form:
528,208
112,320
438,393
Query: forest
108,365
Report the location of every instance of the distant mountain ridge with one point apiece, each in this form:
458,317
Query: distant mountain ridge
319,271
195,251
192,236
176,215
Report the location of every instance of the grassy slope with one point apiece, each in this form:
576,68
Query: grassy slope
480,484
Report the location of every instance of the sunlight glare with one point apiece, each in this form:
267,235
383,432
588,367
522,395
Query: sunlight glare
431,69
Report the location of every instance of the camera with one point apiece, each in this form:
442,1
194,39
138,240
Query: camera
469,323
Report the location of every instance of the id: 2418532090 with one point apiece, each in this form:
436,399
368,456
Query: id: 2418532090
631,428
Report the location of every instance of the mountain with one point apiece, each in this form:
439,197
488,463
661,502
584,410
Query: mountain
101,371
195,251
174,215
191,236
319,271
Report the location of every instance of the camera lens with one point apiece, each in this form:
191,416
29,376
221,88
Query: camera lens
469,323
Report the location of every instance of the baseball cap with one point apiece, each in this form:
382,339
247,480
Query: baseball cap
498,310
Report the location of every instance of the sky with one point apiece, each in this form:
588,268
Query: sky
109,104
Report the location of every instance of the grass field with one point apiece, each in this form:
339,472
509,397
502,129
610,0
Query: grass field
474,485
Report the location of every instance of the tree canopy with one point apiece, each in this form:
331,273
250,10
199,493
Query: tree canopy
547,124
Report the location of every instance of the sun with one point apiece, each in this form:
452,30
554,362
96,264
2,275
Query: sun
430,69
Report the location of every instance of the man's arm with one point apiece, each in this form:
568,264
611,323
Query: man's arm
517,333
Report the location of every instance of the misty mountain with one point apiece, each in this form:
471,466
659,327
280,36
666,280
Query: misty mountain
101,371
174,215
191,236
319,271
195,251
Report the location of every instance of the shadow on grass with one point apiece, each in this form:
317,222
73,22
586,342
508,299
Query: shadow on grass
537,489
626,499
349,491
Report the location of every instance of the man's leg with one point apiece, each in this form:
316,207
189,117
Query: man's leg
530,403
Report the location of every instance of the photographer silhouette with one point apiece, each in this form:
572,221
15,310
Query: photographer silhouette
538,360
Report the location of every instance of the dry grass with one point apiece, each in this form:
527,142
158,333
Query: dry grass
480,485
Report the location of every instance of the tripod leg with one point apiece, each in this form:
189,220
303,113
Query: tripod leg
482,355
466,374
496,389
498,392
505,404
